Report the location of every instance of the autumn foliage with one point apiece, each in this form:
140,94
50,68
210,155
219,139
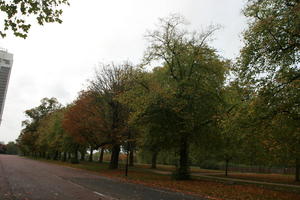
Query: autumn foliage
84,120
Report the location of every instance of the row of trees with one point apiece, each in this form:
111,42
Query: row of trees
197,104
9,148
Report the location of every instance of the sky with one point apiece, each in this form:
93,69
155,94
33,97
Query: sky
57,60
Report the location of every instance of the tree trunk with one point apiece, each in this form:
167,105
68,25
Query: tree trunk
101,155
82,155
226,167
68,156
183,172
64,158
76,154
131,157
75,160
154,159
114,159
297,169
55,155
91,155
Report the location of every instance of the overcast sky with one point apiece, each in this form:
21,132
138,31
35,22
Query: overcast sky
57,60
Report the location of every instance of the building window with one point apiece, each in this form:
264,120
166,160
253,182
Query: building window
6,61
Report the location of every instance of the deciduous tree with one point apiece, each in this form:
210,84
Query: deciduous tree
109,83
196,75
18,14
269,63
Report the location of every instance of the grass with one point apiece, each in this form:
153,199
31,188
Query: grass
271,178
140,174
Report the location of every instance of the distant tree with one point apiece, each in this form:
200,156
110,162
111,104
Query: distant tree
52,139
12,148
3,148
18,14
230,132
27,140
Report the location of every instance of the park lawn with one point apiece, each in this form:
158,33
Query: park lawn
272,178
202,188
172,168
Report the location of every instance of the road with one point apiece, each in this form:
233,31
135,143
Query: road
25,179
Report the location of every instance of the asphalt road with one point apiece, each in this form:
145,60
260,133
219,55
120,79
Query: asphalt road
25,179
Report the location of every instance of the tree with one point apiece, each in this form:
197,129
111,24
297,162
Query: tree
52,138
3,148
84,120
150,101
18,14
26,142
229,124
12,148
109,83
269,63
186,99
29,134
272,40
277,118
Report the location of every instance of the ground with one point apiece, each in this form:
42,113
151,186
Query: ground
25,179
60,180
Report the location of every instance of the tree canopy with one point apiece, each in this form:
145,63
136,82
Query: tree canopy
18,15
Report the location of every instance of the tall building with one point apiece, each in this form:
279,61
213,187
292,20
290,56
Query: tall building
6,61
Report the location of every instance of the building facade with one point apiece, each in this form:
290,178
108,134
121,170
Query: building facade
6,61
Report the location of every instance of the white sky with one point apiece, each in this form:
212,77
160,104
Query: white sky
56,60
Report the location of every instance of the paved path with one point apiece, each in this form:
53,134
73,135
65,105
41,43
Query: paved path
25,179
212,176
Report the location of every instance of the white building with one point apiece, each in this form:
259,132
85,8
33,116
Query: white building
6,61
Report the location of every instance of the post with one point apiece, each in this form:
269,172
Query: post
127,157
126,167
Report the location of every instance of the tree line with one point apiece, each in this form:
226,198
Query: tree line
196,105
9,148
